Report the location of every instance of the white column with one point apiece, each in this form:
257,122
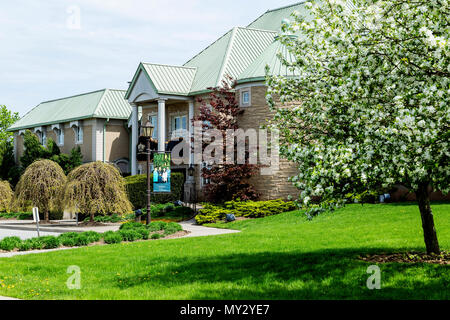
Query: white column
191,131
134,137
161,124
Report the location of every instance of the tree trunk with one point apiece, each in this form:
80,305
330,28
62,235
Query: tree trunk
91,216
429,232
47,216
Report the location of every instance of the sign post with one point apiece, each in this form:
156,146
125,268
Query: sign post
36,219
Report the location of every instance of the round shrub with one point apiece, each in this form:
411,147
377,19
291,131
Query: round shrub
155,236
81,240
10,243
42,186
50,242
6,195
96,188
26,245
36,243
172,228
144,232
130,225
156,226
92,236
112,237
129,234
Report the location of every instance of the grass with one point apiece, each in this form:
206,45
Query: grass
278,257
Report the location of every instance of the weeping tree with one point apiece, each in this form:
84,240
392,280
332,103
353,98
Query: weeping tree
6,196
96,188
369,107
42,186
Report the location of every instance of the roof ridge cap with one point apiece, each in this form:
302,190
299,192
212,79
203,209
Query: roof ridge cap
257,29
168,65
100,102
208,46
73,96
226,55
288,6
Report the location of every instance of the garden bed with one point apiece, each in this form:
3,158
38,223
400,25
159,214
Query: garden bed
410,257
128,232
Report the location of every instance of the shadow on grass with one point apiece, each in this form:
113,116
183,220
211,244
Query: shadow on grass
326,274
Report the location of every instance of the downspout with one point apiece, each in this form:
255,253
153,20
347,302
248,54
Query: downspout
104,139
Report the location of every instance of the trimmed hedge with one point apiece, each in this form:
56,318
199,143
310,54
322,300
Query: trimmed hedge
137,190
249,209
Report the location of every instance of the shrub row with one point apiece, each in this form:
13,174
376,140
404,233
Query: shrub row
137,190
130,231
249,209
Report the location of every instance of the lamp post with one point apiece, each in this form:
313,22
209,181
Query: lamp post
147,132
191,172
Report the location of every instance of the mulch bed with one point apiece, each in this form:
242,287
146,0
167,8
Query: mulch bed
409,257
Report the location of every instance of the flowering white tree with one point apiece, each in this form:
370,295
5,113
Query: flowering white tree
370,105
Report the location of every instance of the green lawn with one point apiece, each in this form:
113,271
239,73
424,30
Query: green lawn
278,257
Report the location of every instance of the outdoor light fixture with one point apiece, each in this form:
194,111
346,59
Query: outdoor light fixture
191,171
147,130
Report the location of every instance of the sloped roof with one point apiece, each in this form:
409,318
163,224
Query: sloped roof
271,19
106,103
256,71
229,55
170,79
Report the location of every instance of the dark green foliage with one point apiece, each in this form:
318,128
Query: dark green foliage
8,169
137,190
92,236
130,225
155,236
26,245
36,244
69,162
129,234
68,239
33,150
157,226
112,237
172,228
249,209
50,242
10,243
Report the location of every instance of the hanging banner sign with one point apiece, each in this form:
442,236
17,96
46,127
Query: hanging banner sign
161,172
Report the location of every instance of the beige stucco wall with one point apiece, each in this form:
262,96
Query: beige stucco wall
116,142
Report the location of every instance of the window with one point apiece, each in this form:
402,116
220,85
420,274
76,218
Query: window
78,134
44,137
245,98
59,137
153,118
178,126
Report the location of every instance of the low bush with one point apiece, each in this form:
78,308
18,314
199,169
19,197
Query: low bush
172,228
130,234
130,225
92,236
10,243
50,242
6,196
26,245
156,226
249,209
81,240
144,232
112,237
36,244
68,239
155,236
137,190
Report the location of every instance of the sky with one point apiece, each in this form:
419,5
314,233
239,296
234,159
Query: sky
57,48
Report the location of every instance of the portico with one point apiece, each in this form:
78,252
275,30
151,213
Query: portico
166,106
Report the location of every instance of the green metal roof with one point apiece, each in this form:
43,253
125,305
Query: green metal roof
106,103
229,55
257,70
171,79
271,20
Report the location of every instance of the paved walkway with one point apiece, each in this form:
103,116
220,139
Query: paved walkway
200,231
194,229
7,298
